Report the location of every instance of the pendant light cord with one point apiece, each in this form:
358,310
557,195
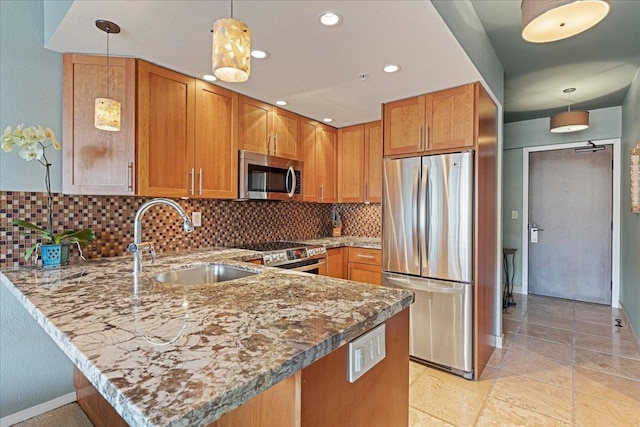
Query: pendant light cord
231,9
108,31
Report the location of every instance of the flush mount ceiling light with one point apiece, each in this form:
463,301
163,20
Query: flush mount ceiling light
231,53
107,110
391,68
550,20
327,120
330,19
281,103
259,54
569,121
209,78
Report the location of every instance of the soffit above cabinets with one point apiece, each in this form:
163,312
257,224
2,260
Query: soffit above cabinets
315,68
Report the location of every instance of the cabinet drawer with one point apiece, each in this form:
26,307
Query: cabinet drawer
365,256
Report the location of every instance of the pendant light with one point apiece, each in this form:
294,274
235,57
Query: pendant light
550,20
107,110
231,52
569,121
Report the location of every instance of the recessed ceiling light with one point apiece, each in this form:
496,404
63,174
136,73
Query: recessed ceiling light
391,68
259,54
281,102
209,78
330,19
327,120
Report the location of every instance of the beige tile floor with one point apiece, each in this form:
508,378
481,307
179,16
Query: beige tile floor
563,364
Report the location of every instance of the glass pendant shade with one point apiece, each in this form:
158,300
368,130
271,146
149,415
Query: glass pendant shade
231,55
107,114
550,20
569,121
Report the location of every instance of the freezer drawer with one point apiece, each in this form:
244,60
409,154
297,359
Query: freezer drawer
440,325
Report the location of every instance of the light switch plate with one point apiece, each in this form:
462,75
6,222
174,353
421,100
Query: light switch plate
196,219
365,352
514,214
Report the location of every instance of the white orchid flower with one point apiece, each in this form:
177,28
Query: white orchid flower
31,152
52,136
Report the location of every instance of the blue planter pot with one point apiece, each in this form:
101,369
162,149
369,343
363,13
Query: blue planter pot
54,255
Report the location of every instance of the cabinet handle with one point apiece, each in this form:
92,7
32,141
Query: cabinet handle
426,137
276,139
269,143
192,174
321,192
130,176
365,256
365,192
419,138
200,181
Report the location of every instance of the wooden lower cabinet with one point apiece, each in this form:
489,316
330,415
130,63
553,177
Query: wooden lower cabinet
318,396
336,265
365,265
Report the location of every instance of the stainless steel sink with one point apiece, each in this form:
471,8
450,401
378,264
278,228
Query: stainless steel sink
211,273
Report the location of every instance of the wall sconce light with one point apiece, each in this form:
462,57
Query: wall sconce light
551,20
107,110
231,53
569,121
635,179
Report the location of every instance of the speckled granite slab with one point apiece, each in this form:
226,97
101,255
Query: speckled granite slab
183,355
336,242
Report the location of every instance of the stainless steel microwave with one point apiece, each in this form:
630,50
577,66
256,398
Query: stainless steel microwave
264,177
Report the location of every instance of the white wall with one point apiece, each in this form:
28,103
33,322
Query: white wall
32,368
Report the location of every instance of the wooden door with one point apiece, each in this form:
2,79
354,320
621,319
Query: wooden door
216,145
450,118
336,265
373,162
326,162
365,273
97,161
166,137
255,125
286,136
310,183
351,164
404,126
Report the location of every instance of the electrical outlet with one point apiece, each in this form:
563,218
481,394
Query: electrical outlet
196,219
365,352
514,214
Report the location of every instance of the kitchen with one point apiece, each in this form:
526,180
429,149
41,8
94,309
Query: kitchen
312,220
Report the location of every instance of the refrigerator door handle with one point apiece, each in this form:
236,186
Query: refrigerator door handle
415,215
423,237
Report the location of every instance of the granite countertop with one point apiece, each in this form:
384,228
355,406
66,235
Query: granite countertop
183,355
337,242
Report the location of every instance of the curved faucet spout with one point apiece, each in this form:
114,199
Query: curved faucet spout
135,247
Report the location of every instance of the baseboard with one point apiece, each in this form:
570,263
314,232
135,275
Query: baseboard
499,341
636,337
33,411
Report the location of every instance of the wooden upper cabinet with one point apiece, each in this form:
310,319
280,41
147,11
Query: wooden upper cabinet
373,162
452,118
326,163
166,136
437,122
404,126
97,161
269,130
216,144
351,161
310,184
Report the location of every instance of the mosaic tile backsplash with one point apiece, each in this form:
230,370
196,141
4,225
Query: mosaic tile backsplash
224,223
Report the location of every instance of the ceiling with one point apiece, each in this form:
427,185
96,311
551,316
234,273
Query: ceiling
317,69
600,63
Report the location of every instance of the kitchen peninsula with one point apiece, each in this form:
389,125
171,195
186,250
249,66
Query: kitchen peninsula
179,355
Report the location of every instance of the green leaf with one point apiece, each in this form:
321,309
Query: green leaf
27,254
26,224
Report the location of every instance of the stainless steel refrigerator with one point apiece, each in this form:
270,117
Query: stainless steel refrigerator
427,247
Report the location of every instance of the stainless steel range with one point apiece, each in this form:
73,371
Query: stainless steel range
290,255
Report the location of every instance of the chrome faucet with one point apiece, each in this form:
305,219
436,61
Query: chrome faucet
137,244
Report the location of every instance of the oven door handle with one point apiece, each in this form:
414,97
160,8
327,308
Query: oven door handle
291,190
309,267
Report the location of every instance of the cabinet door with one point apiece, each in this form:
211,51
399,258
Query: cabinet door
326,151
310,183
166,110
404,126
451,119
351,164
365,273
373,162
216,146
256,125
336,265
97,161
286,134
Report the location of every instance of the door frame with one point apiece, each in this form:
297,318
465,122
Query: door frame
616,190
